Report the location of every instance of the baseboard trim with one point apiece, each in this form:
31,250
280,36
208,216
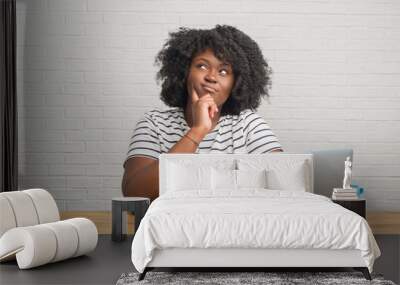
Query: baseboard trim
102,220
381,223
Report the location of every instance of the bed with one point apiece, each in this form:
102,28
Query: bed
245,211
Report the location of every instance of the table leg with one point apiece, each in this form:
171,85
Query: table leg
139,211
116,221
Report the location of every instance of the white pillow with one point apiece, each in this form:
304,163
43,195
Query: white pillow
183,177
223,179
228,180
251,178
281,173
288,175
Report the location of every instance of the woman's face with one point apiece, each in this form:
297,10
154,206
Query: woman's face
208,74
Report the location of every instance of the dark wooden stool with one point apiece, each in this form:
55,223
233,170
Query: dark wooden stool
137,205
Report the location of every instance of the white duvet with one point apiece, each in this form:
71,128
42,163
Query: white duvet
250,219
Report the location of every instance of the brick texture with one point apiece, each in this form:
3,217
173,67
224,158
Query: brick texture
86,75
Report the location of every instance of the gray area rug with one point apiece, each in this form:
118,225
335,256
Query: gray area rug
275,278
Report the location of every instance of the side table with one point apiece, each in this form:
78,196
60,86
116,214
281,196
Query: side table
136,205
357,206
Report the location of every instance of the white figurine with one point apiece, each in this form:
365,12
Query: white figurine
347,173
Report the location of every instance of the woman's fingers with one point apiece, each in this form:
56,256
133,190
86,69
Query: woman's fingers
207,101
195,96
204,110
214,110
211,107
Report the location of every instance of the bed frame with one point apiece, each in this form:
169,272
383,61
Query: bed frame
250,259
241,259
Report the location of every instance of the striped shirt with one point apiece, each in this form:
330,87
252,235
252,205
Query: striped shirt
158,131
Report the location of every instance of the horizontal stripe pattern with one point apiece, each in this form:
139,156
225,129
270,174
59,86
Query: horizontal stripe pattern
159,130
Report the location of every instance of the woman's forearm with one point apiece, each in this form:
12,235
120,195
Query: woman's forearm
189,142
144,182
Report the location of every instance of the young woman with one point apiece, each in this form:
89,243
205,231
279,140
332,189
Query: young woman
214,80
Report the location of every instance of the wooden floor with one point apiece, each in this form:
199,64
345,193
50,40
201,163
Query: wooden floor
111,259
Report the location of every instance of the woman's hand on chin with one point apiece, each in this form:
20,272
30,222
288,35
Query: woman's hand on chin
204,111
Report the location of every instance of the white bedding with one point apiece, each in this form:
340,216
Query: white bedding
251,218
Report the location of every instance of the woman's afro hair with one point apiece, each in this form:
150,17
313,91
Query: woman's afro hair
251,72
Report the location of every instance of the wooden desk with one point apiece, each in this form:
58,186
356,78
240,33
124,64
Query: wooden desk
384,223
381,223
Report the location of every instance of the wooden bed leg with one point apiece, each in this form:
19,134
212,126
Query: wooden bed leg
364,271
143,274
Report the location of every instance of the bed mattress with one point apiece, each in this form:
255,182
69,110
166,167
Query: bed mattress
250,219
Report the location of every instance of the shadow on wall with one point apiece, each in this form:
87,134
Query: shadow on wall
329,169
34,89
30,97
23,52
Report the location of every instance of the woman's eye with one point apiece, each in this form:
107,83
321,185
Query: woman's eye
202,66
223,71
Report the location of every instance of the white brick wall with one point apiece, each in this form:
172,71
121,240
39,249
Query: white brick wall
86,75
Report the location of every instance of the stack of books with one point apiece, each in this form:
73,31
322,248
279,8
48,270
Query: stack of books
344,194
